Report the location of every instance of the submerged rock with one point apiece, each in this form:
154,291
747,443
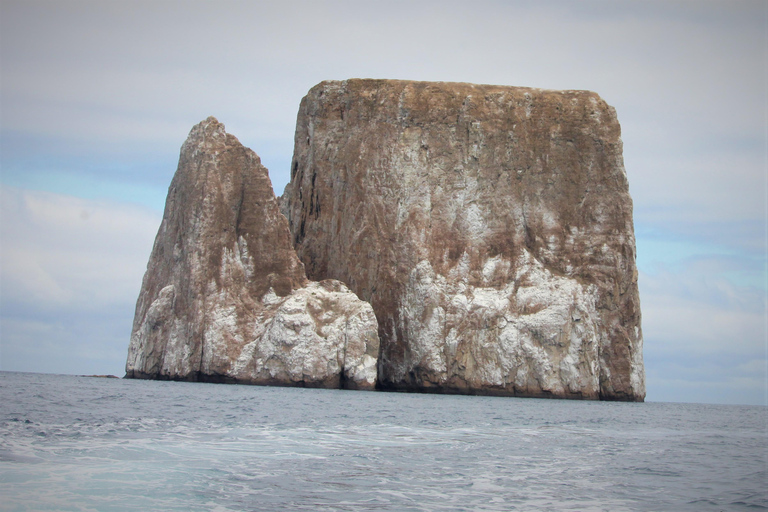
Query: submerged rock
490,228
225,297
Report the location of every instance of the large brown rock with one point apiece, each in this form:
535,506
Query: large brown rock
490,228
225,298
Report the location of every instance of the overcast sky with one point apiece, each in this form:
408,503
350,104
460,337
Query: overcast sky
97,98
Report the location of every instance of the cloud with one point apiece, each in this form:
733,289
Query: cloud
139,75
704,337
700,380
699,186
70,272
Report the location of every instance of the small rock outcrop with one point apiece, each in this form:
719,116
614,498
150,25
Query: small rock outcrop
489,227
225,297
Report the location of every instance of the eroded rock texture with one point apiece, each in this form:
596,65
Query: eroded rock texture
489,227
225,298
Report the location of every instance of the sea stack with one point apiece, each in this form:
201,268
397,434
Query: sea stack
225,297
489,227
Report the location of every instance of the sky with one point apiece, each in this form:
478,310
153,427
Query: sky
96,99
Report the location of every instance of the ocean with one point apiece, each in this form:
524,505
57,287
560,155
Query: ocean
94,444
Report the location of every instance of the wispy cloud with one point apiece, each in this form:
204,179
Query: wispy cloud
70,272
705,331
129,77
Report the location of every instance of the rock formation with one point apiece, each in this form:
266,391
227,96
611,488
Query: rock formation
489,227
225,297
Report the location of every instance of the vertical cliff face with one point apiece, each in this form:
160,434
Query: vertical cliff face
490,228
225,297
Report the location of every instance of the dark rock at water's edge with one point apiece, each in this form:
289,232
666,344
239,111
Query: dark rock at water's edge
101,376
490,229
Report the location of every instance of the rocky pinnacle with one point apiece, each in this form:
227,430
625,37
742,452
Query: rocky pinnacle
225,297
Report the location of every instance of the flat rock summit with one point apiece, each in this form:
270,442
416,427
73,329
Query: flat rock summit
434,237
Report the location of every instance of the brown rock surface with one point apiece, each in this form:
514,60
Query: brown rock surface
225,297
490,228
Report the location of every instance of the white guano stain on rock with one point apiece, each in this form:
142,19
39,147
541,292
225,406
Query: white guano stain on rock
553,341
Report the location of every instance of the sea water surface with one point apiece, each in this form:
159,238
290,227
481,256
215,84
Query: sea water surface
78,443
